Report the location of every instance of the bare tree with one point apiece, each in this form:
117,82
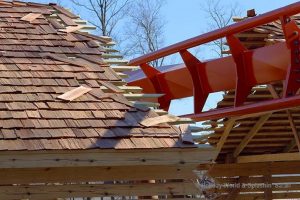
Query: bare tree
105,14
145,29
219,15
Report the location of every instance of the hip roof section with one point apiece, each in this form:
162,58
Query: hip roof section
44,55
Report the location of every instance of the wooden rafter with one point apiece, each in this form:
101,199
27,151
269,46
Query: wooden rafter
268,188
233,194
251,134
296,140
228,127
269,158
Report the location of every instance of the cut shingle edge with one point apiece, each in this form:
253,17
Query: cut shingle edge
159,120
74,94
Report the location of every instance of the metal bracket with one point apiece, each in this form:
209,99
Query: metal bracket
201,88
244,69
291,32
159,85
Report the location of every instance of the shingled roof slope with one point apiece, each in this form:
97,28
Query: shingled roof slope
42,56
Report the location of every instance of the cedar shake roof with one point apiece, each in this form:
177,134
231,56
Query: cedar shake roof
42,56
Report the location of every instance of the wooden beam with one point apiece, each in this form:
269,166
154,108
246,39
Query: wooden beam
37,192
260,179
82,158
269,158
233,194
94,174
268,187
249,169
260,196
296,140
228,126
251,134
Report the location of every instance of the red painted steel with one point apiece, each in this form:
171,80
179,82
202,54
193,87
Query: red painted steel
291,32
244,73
248,110
269,63
158,84
201,88
241,71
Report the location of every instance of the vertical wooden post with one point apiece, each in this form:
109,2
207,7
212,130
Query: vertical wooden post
268,190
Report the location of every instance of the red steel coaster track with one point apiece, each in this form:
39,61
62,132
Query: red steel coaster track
241,71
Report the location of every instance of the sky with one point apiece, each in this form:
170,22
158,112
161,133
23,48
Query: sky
186,19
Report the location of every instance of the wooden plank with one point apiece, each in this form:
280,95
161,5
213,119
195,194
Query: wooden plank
260,196
71,158
141,96
182,120
228,126
70,29
251,134
269,157
159,120
296,140
116,61
232,195
296,133
74,94
249,169
93,174
31,17
124,68
268,187
260,179
38,192
111,87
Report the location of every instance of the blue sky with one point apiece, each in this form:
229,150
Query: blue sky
185,19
